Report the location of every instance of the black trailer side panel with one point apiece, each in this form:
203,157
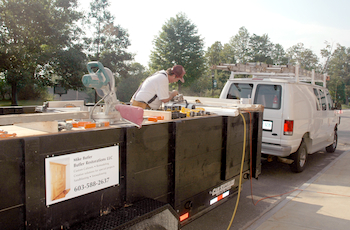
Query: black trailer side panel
187,163
12,207
148,163
256,140
198,156
235,140
66,213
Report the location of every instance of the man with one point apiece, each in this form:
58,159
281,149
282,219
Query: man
155,89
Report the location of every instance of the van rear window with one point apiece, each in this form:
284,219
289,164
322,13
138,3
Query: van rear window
269,96
240,90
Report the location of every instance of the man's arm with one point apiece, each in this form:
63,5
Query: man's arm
171,96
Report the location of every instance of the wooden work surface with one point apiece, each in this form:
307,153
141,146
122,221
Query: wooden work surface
21,131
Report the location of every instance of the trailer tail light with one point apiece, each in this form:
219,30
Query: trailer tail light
184,216
288,127
220,197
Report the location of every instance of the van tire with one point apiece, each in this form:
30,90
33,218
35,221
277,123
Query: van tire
299,158
331,148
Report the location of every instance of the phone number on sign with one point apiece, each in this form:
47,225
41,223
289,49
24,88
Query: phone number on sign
91,184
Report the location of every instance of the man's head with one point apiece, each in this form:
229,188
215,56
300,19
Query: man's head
178,71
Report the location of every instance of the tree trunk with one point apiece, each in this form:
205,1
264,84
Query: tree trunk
179,87
14,95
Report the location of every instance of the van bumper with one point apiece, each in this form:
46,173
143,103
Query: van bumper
276,150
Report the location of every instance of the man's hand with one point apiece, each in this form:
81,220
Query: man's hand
173,94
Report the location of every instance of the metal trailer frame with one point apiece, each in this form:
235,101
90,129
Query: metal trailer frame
178,163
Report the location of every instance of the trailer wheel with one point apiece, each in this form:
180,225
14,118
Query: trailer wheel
299,158
331,148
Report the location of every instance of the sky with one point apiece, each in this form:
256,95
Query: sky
311,22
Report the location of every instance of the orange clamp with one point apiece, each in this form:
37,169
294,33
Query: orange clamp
5,135
90,125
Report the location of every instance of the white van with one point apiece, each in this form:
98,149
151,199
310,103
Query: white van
299,117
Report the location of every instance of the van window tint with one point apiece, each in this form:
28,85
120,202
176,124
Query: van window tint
330,101
318,103
269,96
240,90
323,99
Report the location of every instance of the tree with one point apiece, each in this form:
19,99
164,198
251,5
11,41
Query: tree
108,43
215,55
240,45
302,56
339,72
70,66
228,54
128,86
31,32
278,55
260,49
326,53
179,44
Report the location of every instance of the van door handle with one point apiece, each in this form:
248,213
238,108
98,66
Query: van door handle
274,134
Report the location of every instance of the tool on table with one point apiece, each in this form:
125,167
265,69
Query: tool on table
5,134
113,111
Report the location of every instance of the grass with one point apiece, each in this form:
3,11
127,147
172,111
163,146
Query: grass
23,102
343,106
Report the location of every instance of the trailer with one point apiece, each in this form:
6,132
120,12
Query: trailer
119,176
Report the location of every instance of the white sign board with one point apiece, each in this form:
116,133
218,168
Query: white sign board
76,174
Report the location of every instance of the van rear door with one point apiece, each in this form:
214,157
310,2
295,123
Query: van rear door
270,96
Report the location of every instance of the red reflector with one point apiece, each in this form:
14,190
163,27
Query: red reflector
288,127
220,197
184,216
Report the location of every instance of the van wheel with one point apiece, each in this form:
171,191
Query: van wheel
331,148
299,158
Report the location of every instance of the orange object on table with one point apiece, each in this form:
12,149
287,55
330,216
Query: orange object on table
90,125
153,119
5,135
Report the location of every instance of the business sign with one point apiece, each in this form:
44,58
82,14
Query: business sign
76,174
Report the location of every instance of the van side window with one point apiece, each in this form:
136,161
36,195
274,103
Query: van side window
240,90
323,99
269,96
318,103
330,101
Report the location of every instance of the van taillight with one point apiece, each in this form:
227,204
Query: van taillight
288,127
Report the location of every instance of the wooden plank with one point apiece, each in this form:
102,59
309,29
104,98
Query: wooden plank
37,117
20,131
44,126
150,113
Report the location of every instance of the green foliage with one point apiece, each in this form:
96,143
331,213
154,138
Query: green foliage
215,54
240,45
179,44
302,56
5,90
108,43
126,87
244,48
69,66
339,72
31,32
260,49
278,55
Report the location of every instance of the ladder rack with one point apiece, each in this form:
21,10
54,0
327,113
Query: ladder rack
273,71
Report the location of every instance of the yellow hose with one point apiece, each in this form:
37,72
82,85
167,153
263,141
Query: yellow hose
240,174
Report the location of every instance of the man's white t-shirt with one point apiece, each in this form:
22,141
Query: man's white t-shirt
157,84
